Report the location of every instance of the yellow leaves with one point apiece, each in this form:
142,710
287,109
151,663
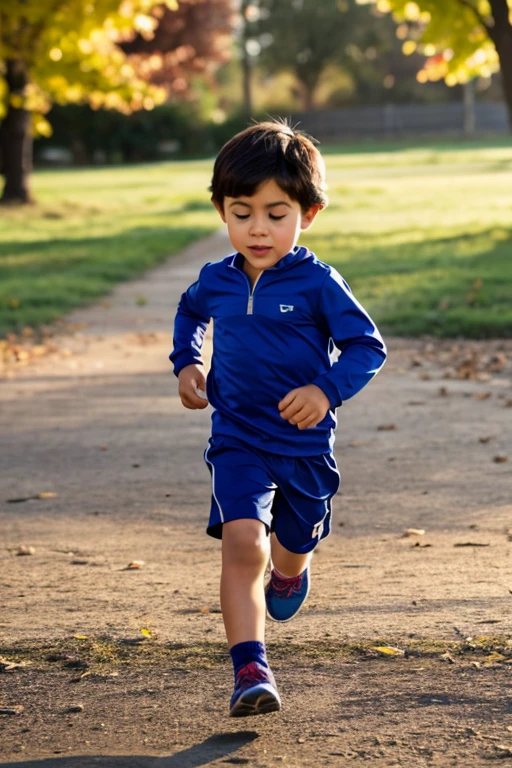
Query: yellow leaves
409,47
81,637
55,54
145,25
145,632
85,46
16,101
412,12
41,126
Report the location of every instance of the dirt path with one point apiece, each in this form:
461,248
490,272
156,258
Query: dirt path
98,424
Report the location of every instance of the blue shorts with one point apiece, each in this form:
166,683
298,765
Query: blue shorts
290,495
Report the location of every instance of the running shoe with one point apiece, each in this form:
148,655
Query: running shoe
255,692
286,596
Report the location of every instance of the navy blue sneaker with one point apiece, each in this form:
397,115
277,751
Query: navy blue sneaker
285,597
255,692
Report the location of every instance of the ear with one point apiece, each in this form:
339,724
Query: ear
309,216
220,210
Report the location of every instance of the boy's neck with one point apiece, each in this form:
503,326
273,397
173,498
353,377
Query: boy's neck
252,273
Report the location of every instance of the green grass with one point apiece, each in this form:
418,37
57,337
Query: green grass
422,233
92,229
424,236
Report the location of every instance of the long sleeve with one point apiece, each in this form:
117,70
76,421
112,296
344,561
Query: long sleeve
190,326
353,332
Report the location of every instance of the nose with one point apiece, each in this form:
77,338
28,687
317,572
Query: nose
258,226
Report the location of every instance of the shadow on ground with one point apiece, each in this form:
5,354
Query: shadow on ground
215,747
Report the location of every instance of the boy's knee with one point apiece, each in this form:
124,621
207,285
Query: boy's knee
245,542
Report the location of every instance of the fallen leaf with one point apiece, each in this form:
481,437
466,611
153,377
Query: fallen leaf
416,402
504,750
447,657
81,677
24,550
388,650
386,427
494,657
16,710
500,459
498,363
145,632
414,532
8,666
80,637
485,438
443,392
44,495
134,565
508,403
481,395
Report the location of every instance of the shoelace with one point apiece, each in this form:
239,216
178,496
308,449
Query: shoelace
250,675
286,587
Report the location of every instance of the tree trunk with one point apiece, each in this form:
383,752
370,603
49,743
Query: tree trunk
16,140
501,35
505,57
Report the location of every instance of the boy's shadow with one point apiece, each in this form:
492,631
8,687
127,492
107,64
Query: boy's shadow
213,748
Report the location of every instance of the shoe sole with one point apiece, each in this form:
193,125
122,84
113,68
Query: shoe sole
260,700
283,621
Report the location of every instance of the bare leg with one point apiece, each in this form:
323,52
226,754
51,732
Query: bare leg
245,553
286,562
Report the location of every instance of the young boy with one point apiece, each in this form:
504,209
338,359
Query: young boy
278,315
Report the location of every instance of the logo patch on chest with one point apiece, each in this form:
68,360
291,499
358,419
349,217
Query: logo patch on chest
286,307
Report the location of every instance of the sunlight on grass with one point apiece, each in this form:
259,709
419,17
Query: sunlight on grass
93,228
426,247
423,234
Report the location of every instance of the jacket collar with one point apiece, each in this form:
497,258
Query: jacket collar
298,253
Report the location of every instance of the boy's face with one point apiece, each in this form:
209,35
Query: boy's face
266,226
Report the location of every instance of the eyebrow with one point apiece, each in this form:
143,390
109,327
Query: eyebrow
270,205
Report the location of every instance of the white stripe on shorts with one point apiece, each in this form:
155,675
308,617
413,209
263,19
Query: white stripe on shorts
213,483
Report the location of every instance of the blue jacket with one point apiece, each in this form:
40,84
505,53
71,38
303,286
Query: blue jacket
277,336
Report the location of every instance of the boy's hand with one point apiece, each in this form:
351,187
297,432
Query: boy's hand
305,406
191,380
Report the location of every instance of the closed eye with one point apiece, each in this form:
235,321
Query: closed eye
240,216
276,218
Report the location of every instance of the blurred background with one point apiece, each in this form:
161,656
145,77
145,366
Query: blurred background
112,110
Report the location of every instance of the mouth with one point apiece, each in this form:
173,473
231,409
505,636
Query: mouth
259,250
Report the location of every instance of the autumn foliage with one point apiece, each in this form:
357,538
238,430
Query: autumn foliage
117,54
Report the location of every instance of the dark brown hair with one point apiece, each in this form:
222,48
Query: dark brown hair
270,150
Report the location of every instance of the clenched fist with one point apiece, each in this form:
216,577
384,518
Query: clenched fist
191,381
305,406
